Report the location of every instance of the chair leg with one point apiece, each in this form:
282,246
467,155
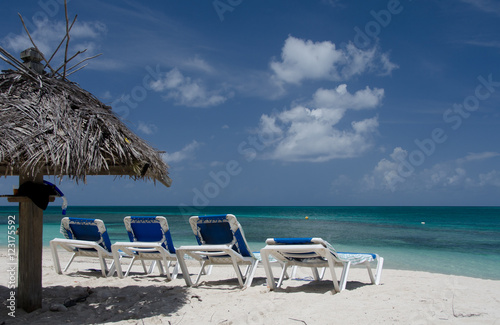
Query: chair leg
249,279
175,271
70,261
144,267
130,265
294,272
245,273
370,272
323,270
151,267
343,276
238,273
160,267
184,269
315,273
378,273
55,257
118,265
167,263
331,265
267,269
104,266
199,273
167,268
112,268
204,272
282,275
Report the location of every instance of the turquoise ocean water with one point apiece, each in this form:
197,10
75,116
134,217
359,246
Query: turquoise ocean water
450,240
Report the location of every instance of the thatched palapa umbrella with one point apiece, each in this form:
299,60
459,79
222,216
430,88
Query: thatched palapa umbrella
54,127
51,126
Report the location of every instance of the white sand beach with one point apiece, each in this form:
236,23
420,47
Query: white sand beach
404,297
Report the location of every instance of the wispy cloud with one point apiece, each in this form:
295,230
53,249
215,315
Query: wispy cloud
147,128
491,44
199,64
386,175
189,92
48,34
478,156
333,3
188,152
254,83
489,6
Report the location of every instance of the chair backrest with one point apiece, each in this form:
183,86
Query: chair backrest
149,229
86,229
220,229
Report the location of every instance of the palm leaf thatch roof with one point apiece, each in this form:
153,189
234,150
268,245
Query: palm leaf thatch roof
52,126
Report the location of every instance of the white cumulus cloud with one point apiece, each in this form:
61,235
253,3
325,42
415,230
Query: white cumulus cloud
385,175
312,134
492,178
305,59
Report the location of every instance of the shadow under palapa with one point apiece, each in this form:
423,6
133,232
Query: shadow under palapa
100,304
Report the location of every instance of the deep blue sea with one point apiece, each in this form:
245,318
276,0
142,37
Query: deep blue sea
450,240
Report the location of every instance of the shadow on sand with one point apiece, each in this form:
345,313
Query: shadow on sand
310,286
102,304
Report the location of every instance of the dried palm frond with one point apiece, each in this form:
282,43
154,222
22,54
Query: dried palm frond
54,127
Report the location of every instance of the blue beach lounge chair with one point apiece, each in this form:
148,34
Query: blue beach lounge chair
314,253
84,237
150,239
221,241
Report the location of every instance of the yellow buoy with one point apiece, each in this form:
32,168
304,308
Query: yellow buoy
307,217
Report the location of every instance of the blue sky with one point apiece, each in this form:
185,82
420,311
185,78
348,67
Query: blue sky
326,102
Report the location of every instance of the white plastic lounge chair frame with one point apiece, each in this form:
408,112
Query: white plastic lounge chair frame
314,253
100,247
150,239
221,241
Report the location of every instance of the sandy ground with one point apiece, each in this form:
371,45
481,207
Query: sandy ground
404,297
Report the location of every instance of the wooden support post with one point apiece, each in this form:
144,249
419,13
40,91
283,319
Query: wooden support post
30,252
